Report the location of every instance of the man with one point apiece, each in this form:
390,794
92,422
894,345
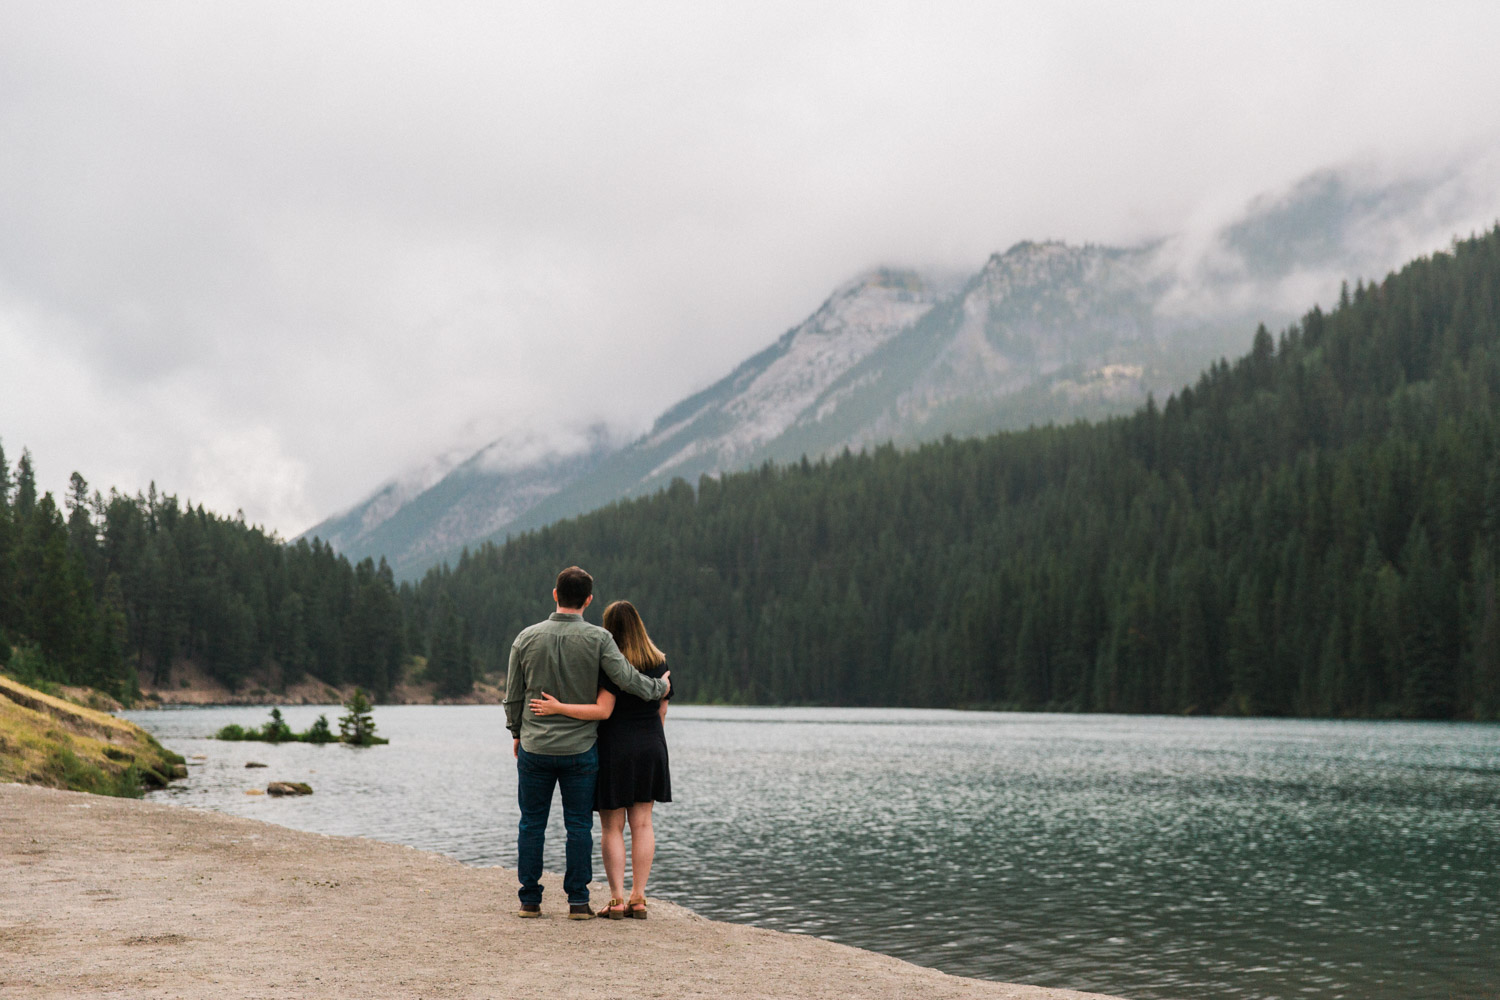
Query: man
563,655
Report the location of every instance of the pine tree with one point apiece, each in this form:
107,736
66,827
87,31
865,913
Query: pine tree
276,730
25,500
291,650
1249,653
1485,641
9,612
357,724
1427,687
446,664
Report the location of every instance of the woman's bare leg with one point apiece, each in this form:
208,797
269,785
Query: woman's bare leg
612,847
642,848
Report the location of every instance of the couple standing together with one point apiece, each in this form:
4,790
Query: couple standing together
585,707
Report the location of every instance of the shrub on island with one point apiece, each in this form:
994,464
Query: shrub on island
319,732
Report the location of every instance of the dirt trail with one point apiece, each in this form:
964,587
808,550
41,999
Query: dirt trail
105,897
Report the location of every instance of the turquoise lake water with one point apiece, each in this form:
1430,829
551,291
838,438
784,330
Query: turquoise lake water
1142,856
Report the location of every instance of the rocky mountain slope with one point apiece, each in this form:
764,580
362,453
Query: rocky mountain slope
417,520
1045,331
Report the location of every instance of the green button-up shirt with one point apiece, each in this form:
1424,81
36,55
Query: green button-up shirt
563,656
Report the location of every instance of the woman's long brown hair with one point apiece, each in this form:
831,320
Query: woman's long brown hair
624,623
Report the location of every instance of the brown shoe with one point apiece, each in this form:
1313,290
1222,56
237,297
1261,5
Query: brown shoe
530,910
613,910
636,908
580,911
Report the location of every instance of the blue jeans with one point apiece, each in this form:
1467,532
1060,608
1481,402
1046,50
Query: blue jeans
536,774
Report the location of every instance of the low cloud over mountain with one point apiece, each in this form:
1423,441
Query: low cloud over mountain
1044,331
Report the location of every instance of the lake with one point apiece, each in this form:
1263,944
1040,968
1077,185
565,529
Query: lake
1143,856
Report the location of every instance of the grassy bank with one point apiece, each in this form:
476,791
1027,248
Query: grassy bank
46,740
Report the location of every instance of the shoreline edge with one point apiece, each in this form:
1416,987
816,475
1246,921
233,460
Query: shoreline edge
128,898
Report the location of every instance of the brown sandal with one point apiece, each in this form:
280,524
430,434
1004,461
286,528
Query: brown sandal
636,908
609,911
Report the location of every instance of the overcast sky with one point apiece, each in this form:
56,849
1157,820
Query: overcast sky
270,254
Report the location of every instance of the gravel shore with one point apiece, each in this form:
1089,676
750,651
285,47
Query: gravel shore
104,897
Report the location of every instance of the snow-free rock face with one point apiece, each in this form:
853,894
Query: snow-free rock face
761,404
1034,315
1045,331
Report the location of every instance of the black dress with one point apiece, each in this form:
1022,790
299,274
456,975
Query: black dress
632,751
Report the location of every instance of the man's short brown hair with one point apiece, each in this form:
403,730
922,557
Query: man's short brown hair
574,587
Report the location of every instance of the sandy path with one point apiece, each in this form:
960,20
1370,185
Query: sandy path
107,897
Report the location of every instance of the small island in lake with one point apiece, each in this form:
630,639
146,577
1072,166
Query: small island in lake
356,727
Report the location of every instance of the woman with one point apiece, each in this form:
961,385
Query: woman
633,770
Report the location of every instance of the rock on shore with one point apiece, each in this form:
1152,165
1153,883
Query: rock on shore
120,898
279,788
190,684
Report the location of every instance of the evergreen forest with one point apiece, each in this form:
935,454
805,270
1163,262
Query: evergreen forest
1312,529
107,590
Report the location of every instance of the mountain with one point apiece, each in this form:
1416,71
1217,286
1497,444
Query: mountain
1044,332
1312,529
415,520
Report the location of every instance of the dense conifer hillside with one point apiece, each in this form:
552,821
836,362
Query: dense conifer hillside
121,587
1312,530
